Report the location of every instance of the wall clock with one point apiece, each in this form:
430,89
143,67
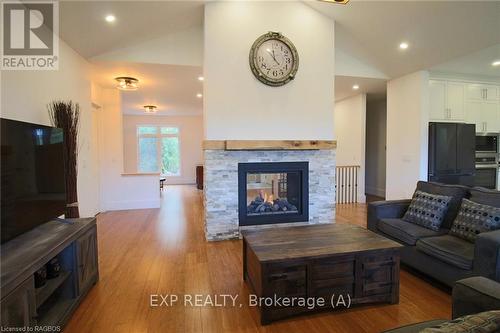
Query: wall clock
274,59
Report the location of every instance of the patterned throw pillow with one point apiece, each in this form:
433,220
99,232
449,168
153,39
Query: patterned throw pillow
484,322
427,210
474,218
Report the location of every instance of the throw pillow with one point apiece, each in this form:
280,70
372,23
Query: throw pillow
474,218
427,210
484,322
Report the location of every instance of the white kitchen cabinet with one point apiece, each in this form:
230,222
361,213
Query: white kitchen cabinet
482,92
475,92
486,115
437,96
455,92
446,100
492,93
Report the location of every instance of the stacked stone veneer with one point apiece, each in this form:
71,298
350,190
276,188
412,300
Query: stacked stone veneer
221,187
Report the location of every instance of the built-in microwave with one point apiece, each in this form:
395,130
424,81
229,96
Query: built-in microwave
487,143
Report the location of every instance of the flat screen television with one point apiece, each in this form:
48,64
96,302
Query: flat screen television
32,171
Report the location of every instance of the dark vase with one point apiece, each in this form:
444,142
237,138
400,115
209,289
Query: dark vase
40,277
53,268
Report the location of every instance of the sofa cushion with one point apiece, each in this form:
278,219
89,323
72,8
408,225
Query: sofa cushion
406,232
485,196
450,249
473,219
427,210
457,192
484,322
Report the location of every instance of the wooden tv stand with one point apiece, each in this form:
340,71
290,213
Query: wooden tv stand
75,245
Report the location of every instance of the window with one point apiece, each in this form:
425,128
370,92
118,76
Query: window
158,150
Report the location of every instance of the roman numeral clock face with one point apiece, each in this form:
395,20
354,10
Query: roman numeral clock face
274,59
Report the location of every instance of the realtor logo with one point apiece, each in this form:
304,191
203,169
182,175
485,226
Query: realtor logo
30,35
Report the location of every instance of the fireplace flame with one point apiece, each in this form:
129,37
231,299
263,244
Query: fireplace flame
267,197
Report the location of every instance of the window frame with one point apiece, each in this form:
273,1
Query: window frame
159,136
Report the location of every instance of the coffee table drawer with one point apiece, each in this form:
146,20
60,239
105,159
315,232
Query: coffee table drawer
339,286
332,268
287,280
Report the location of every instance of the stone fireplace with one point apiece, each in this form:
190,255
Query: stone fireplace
282,188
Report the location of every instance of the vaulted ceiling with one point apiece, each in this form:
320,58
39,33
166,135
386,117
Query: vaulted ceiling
370,31
459,36
437,31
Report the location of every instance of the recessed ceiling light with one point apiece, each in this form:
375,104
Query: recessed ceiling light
201,78
496,63
110,18
127,83
403,45
199,95
355,87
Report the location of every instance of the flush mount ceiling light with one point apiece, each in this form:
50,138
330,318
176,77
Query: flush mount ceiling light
201,78
403,45
127,83
150,108
342,2
495,63
199,95
355,87
110,18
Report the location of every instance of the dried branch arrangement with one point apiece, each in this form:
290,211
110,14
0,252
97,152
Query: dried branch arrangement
66,115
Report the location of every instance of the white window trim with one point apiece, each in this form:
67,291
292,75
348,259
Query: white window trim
159,136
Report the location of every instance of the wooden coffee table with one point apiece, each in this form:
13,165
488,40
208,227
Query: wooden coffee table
342,263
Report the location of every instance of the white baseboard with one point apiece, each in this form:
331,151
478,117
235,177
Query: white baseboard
361,198
127,205
379,192
173,180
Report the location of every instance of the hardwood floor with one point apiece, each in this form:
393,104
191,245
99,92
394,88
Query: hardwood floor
163,251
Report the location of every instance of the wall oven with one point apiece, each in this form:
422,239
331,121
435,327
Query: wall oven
486,170
487,143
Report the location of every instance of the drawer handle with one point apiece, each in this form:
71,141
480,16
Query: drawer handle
278,277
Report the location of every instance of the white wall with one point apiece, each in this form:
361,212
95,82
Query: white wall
191,137
118,191
350,131
376,135
236,104
407,134
25,95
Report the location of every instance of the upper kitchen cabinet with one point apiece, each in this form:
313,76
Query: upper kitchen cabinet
482,107
446,100
482,92
486,115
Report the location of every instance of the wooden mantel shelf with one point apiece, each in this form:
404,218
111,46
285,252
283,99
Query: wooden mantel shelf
268,144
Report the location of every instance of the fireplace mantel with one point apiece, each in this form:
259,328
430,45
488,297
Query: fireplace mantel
269,144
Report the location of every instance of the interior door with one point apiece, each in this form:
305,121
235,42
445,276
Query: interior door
437,100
